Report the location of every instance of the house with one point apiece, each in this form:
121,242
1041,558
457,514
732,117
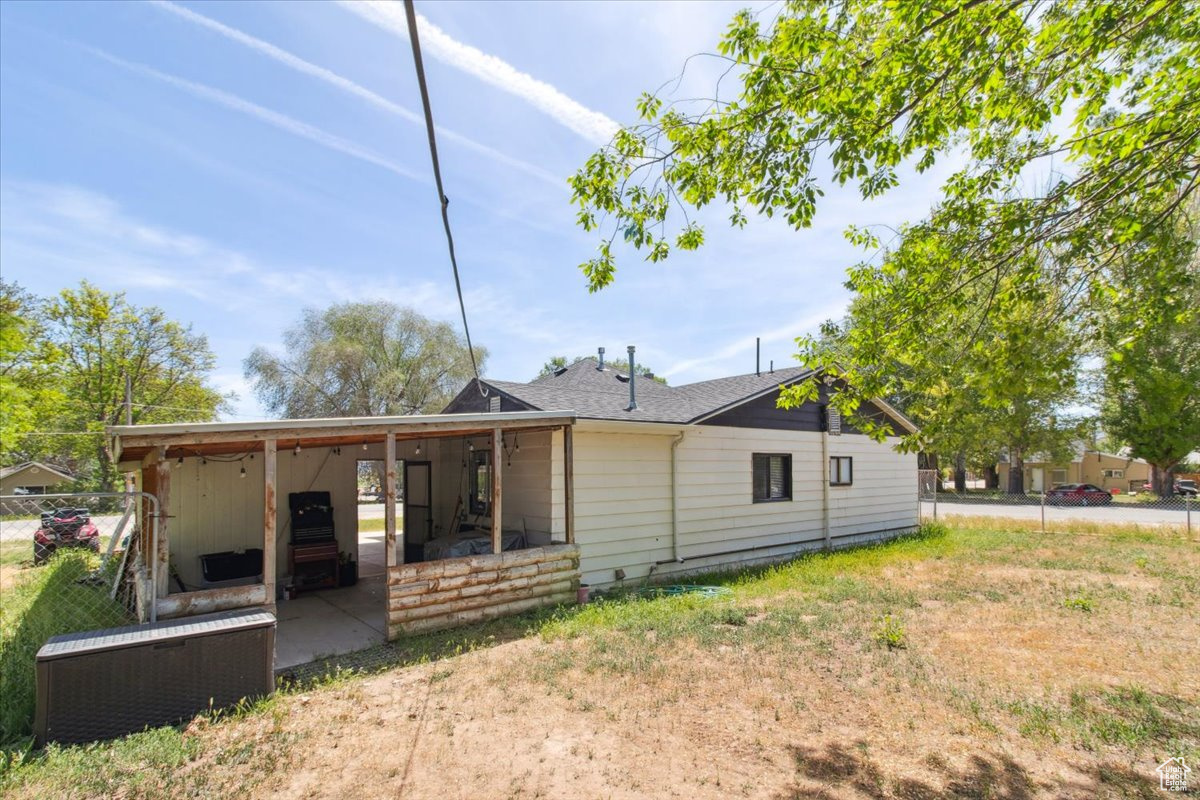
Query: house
30,478
512,497
1109,471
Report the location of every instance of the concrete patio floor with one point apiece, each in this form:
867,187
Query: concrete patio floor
335,621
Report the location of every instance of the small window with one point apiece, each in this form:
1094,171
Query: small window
772,477
841,471
1114,473
1058,476
481,482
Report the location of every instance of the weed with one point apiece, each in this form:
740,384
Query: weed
890,633
1079,602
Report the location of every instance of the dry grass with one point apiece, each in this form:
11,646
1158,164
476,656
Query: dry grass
967,664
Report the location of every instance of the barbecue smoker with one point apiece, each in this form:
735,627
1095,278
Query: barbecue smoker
313,552
67,527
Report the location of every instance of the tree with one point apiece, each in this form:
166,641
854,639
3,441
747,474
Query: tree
362,359
97,340
1151,382
555,363
28,395
1099,94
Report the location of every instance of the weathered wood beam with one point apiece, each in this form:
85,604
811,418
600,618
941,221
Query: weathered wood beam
320,436
206,601
389,502
497,495
270,512
162,555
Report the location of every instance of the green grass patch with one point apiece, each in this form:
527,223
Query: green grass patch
15,553
44,602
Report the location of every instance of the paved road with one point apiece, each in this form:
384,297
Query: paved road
1116,513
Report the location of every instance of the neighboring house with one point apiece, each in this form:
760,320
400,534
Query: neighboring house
515,495
32,477
1109,471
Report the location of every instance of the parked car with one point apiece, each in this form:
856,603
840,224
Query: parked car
1186,487
1078,494
67,527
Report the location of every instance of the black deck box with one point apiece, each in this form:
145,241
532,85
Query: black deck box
109,683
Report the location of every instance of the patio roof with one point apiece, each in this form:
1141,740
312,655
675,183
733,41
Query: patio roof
133,442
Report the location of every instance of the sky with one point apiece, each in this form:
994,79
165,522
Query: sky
235,162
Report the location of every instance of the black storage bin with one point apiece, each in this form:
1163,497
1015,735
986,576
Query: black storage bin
230,565
108,683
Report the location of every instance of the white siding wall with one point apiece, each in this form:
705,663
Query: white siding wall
623,498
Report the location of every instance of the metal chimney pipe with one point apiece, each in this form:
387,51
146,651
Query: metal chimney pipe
600,366
632,368
757,355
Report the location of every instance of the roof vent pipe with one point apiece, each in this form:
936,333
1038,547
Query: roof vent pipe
600,365
632,393
757,355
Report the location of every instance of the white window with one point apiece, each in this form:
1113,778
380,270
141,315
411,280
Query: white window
1114,473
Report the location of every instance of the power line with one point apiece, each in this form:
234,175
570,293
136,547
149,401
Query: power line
411,12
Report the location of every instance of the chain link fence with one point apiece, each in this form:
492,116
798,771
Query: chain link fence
1078,508
68,563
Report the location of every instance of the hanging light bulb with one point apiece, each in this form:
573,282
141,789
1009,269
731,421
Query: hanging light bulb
418,448
471,446
517,442
243,473
296,452
179,463
364,445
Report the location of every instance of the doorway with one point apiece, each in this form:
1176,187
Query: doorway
418,509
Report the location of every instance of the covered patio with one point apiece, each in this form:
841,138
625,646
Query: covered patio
485,527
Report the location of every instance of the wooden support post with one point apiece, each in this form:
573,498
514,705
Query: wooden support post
162,556
389,502
270,508
496,509
569,482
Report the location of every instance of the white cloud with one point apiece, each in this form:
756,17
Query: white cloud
594,126
350,87
273,118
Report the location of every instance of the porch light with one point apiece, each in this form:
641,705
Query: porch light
418,448
364,445
470,445
179,463
296,452
243,473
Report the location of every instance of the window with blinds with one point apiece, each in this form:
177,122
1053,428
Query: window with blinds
772,477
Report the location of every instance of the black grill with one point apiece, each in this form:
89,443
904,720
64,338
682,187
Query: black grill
312,517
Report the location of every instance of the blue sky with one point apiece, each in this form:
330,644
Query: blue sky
235,162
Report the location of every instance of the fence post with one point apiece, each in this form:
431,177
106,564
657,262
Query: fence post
1043,511
1187,504
936,481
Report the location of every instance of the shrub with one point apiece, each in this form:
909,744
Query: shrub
890,633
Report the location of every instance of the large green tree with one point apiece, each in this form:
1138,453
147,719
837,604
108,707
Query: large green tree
1151,374
29,394
1099,95
362,359
87,343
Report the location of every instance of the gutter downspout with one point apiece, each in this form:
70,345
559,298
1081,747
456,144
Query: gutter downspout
675,501
825,478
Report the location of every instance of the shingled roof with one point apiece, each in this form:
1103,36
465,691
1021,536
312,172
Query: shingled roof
604,394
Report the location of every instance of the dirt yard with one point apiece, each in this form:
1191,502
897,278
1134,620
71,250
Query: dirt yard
968,664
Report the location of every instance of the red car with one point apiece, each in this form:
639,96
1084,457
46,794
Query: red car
1078,494
67,527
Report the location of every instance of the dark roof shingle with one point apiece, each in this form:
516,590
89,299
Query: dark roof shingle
596,394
